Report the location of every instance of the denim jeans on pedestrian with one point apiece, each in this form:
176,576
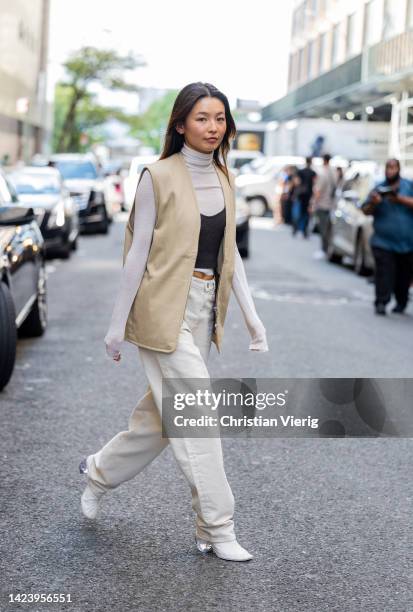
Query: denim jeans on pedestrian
300,216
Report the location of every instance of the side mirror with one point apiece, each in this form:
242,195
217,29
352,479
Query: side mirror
16,215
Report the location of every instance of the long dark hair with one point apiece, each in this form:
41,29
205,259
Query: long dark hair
185,101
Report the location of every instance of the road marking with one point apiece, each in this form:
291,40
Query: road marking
266,223
299,297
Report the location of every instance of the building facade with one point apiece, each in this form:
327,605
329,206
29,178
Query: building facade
25,117
351,60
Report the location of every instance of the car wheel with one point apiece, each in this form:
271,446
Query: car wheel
258,207
360,267
244,252
8,335
332,254
36,321
103,226
65,250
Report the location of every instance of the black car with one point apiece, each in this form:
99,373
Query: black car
23,306
243,226
42,189
87,187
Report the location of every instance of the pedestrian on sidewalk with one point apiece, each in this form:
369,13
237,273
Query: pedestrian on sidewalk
324,200
391,204
180,264
303,193
287,193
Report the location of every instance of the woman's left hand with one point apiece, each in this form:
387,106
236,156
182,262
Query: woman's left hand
113,343
258,337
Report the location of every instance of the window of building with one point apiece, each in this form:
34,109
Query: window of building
310,60
393,19
300,64
409,14
322,45
335,45
321,8
350,36
299,12
314,7
293,69
373,20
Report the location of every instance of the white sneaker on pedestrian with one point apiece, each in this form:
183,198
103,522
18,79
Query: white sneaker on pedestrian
230,551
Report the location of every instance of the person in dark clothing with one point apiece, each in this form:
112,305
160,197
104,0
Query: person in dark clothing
287,196
391,204
303,193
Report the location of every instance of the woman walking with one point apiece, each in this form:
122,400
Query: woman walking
180,263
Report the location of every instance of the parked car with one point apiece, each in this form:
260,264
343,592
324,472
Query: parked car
87,188
23,302
260,188
252,166
350,229
236,159
56,213
130,182
242,212
113,173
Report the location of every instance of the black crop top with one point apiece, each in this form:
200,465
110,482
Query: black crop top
210,236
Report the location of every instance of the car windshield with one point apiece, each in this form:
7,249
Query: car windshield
31,184
361,183
76,169
241,161
253,165
139,168
269,167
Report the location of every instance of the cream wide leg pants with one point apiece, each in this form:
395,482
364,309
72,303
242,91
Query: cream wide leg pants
200,459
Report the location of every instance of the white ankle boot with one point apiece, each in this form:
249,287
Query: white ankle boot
230,551
91,498
90,502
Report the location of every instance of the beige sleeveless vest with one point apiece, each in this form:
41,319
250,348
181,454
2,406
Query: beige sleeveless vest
158,309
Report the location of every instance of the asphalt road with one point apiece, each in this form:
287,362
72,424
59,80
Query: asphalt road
328,520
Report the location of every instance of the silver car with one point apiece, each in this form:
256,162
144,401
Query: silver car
350,229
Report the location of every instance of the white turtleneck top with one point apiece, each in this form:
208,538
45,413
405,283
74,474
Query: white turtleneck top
210,199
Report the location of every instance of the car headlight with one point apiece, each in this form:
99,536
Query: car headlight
57,216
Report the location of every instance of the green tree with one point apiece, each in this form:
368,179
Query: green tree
151,125
75,110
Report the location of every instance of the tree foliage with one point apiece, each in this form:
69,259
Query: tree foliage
150,126
75,109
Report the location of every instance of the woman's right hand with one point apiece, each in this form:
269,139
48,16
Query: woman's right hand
113,342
